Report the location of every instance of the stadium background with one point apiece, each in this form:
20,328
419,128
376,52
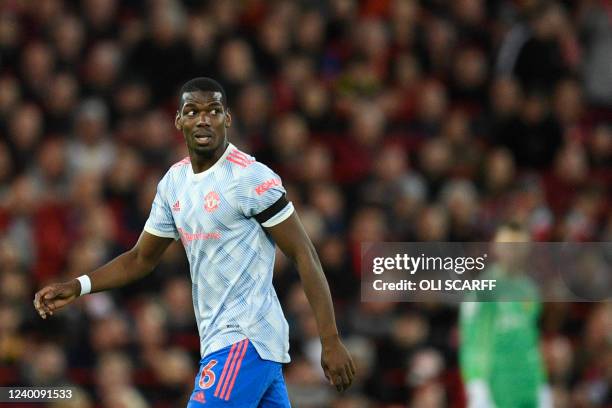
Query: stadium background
388,120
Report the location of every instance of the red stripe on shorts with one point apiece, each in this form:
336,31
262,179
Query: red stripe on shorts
230,372
229,390
224,372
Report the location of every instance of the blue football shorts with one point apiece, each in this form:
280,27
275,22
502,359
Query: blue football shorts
236,376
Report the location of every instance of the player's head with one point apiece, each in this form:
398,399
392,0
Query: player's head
511,231
202,84
511,246
203,116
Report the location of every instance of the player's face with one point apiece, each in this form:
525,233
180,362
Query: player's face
511,249
203,120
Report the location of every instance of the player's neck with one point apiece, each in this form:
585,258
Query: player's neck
202,162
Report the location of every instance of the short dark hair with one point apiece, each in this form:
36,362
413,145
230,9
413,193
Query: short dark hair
203,84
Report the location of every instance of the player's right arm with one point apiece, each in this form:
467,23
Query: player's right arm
127,267
159,231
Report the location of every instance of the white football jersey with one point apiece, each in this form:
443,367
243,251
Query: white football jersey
218,215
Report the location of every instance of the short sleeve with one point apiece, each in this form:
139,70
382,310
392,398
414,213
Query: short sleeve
160,222
261,195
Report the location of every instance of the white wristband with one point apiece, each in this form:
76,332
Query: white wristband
85,284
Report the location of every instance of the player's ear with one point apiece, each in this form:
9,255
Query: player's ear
177,121
228,119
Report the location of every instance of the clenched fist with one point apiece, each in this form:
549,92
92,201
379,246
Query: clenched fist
54,297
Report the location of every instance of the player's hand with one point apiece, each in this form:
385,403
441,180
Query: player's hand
337,363
479,395
54,297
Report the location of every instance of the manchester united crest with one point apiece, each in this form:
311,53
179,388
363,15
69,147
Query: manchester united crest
211,201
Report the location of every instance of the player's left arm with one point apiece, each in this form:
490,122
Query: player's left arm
292,239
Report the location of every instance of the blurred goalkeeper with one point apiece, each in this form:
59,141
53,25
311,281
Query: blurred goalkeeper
229,211
499,353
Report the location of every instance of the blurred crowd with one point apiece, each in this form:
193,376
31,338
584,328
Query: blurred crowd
389,120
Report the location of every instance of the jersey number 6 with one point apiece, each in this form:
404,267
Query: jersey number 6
207,378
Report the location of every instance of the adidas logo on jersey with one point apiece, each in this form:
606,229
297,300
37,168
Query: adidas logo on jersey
199,396
176,207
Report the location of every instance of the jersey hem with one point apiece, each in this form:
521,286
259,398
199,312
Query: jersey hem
281,357
160,234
